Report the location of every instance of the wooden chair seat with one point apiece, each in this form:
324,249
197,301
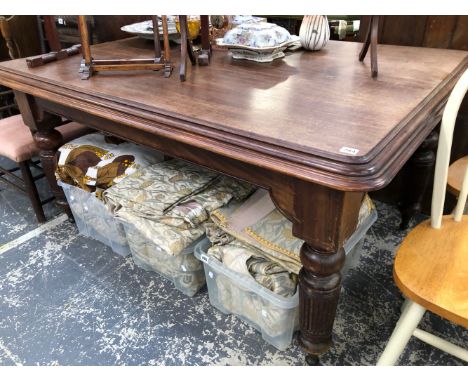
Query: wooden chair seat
17,142
455,175
431,268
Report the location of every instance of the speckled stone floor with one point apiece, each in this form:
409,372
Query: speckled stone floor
69,300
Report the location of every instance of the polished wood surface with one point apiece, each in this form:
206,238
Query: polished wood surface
431,268
456,174
293,115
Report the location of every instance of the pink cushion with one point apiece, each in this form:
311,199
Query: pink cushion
17,142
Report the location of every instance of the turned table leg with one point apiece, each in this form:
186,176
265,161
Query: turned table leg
324,219
320,282
42,126
419,169
48,142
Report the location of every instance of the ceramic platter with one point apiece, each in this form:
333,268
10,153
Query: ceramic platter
145,29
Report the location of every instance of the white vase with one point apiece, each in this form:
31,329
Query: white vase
315,32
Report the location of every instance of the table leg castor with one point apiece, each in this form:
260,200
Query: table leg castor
312,360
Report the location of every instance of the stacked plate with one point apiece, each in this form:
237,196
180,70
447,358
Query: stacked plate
145,29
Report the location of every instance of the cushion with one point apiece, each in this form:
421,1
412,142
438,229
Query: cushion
17,142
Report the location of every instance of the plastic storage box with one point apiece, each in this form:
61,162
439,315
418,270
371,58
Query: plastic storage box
183,270
276,317
94,220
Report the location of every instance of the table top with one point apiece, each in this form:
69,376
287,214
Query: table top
316,115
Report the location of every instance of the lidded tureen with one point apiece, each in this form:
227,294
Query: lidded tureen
260,41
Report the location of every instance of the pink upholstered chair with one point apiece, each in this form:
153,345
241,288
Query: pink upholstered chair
17,144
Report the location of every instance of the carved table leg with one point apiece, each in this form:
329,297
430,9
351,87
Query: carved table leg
419,169
324,218
42,125
320,282
49,141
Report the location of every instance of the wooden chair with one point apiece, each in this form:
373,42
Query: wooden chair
431,265
21,35
17,144
16,141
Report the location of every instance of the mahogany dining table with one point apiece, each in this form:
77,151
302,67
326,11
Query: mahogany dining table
314,128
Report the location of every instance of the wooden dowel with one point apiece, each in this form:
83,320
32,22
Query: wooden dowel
167,50
157,41
12,184
67,52
183,47
117,67
205,32
52,56
462,196
123,61
14,106
85,48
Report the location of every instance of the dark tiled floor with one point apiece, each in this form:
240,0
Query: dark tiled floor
66,299
16,214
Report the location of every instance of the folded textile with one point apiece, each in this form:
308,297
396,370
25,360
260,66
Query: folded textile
258,223
185,270
170,201
92,163
249,261
272,319
269,316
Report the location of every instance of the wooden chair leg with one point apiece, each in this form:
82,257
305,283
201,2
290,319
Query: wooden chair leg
191,53
402,333
32,191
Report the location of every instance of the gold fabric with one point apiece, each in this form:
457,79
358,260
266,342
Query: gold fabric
93,164
169,202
